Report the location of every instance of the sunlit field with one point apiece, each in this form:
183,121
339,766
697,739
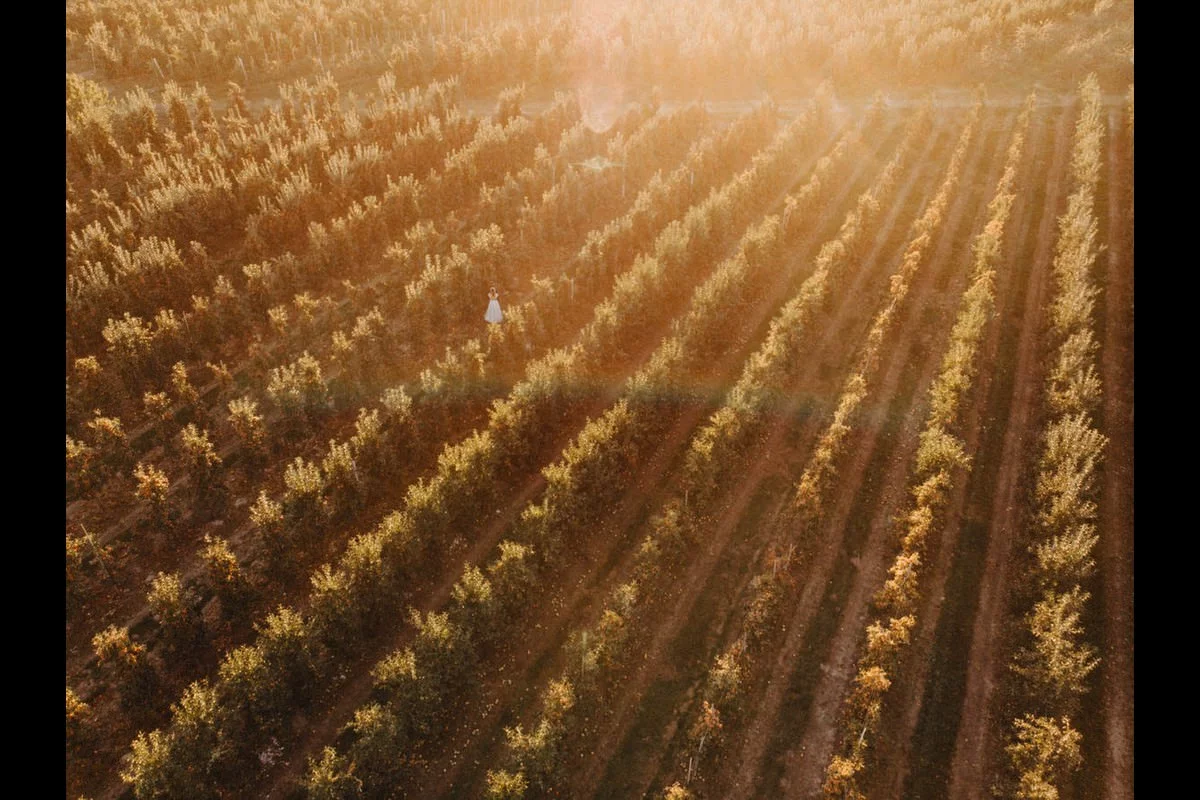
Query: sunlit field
616,399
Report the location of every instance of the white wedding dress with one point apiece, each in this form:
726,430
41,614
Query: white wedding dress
493,311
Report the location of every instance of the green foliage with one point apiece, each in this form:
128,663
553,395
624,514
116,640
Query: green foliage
110,442
538,755
255,695
1043,754
182,387
331,777
900,590
504,785
289,649
152,771
671,528
129,342
153,488
442,649
225,575
171,604
342,477
378,740
473,604
77,553
725,677
1067,474
130,664
198,733
1067,559
157,406
940,455
81,471
397,406
298,388
247,423
840,777
278,316
113,645
266,516
706,727
1057,662
1073,386
676,791
370,444
765,594
79,717
200,455
600,458
304,504
396,677
335,617
220,373
1053,659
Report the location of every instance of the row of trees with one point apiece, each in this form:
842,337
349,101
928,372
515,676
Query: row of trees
590,476
941,461
376,565
224,178
433,300
598,651
334,232
667,197
423,40
134,344
121,264
270,281
1052,660
807,505
133,168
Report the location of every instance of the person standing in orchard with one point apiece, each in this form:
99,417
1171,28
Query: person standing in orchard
493,314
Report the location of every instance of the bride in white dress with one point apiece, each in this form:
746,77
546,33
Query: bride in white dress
493,314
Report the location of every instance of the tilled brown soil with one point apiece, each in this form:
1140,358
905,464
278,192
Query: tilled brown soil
1116,552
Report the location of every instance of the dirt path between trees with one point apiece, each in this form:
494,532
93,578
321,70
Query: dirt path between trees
1116,503
972,765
